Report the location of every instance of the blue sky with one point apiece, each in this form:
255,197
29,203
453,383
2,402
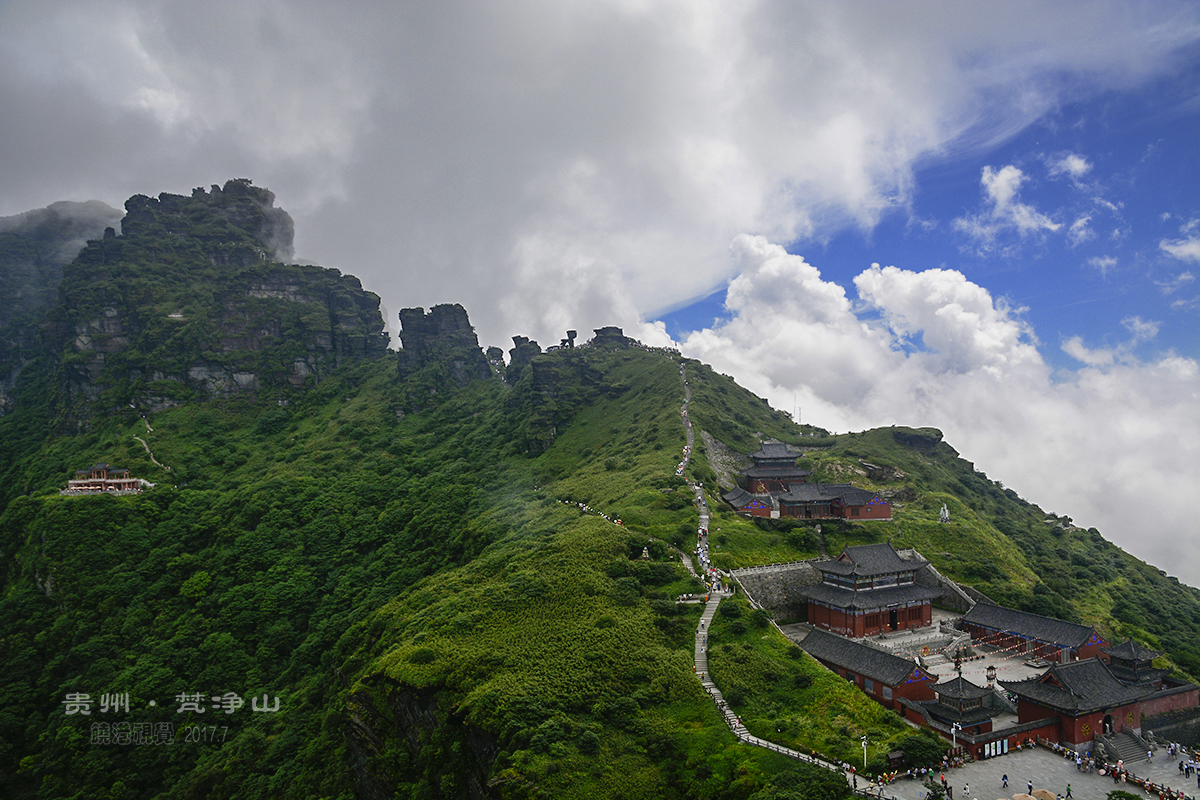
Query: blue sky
1135,186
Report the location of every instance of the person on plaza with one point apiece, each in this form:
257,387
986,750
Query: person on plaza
1004,778
1030,788
1068,790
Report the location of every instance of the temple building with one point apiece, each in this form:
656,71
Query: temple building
884,677
774,469
1031,634
867,590
776,488
102,478
750,505
829,500
1131,663
1083,698
962,703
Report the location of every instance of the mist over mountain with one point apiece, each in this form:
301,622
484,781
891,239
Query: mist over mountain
34,247
455,570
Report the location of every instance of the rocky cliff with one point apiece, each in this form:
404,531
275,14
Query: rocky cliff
189,302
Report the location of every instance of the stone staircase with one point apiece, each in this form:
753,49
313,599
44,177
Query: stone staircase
1128,748
731,719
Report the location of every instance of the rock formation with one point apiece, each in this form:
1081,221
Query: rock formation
523,351
442,339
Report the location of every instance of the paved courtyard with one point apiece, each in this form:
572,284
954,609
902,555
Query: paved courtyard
1047,771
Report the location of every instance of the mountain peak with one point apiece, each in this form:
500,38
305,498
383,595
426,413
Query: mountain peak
237,213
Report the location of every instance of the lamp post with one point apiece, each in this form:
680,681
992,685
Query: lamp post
864,744
954,729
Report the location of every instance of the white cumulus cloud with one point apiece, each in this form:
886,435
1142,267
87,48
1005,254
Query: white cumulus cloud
1072,165
1004,213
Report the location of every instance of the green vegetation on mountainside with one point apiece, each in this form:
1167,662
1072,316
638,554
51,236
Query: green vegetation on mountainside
784,696
332,555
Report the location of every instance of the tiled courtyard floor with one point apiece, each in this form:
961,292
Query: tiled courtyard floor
1047,771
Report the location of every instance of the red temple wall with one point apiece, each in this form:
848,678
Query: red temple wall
1172,701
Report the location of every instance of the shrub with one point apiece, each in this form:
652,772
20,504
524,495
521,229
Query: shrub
730,610
626,591
589,743
422,655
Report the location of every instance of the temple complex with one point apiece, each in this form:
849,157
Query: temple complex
1040,678
776,488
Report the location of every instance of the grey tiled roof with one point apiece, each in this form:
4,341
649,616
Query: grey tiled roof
869,559
1132,651
1077,687
1031,626
874,598
740,498
848,494
775,450
858,658
776,472
961,689
812,492
968,716
857,497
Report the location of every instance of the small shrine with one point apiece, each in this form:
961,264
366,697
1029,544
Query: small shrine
1132,664
774,469
962,703
101,479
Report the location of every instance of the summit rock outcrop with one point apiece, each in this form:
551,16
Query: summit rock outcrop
190,302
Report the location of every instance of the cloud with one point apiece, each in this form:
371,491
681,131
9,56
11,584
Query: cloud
1183,249
1176,283
933,348
1102,263
1005,213
1079,232
1142,330
1075,348
437,150
1072,165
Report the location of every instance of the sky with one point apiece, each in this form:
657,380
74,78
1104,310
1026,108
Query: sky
983,217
